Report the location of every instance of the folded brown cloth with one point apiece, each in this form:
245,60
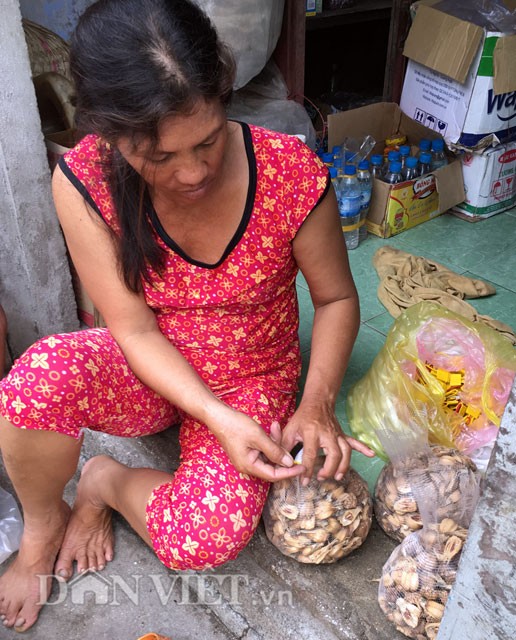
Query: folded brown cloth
406,279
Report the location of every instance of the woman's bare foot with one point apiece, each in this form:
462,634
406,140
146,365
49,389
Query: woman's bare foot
89,535
25,585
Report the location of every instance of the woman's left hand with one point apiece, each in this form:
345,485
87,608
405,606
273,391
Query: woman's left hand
317,427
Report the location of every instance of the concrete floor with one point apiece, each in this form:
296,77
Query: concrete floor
263,594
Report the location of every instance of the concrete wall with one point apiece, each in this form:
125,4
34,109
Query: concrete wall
482,603
35,282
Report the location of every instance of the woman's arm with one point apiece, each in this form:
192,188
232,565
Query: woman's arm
150,355
320,252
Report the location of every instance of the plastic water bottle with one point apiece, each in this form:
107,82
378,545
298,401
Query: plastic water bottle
438,156
327,158
349,157
336,151
424,146
410,171
365,182
404,154
349,205
392,156
376,166
425,160
338,163
334,180
393,175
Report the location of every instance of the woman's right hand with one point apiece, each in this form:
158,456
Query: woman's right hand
251,450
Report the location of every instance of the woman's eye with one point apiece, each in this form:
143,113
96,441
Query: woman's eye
161,159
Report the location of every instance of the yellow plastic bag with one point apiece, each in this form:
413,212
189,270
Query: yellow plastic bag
438,372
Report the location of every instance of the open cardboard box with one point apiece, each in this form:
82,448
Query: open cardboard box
397,207
489,182
460,78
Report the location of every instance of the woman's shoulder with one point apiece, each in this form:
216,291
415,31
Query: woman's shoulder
285,148
89,156
274,139
87,166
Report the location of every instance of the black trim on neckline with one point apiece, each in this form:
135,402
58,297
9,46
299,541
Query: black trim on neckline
246,216
81,188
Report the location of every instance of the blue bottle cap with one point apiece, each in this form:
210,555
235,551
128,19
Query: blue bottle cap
350,170
424,144
393,156
425,158
377,159
333,172
411,161
395,167
438,144
405,150
327,157
336,150
363,164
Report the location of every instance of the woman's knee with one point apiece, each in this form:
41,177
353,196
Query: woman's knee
204,549
47,384
202,532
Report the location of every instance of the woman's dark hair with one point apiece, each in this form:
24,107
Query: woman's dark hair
134,63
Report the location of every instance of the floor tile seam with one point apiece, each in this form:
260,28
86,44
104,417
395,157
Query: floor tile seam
373,317
417,251
302,285
375,329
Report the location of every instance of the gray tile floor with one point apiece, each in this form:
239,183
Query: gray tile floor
484,249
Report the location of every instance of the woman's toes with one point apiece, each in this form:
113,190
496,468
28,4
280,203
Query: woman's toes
64,565
63,573
19,623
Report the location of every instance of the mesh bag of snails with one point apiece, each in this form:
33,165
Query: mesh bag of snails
321,522
452,474
419,574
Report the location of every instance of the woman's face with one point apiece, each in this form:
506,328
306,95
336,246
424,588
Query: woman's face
187,160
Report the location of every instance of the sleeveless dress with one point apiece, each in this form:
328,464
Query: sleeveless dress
235,322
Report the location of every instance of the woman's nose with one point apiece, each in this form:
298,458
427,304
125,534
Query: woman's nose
191,171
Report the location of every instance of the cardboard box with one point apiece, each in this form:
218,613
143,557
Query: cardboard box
460,79
489,182
395,208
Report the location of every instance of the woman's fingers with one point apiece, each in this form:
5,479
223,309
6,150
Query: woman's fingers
273,473
275,434
346,458
332,461
360,447
272,450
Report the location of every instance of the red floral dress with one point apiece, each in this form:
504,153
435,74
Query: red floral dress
235,322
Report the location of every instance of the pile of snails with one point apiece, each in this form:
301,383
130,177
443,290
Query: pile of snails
321,522
447,472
